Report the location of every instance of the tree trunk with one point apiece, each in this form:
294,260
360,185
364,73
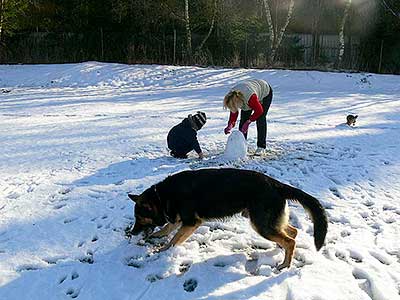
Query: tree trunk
390,9
341,32
276,35
188,33
1,19
380,58
282,31
316,32
211,28
267,9
2,54
174,59
102,43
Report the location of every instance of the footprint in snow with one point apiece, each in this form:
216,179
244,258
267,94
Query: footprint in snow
382,258
28,267
388,207
345,233
190,285
13,195
390,220
59,206
341,255
300,260
88,258
74,275
184,267
368,203
363,281
62,279
70,220
336,193
389,196
251,266
220,264
53,260
73,293
65,191
356,257
154,277
134,262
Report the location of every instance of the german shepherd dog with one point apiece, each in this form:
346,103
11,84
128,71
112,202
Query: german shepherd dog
188,198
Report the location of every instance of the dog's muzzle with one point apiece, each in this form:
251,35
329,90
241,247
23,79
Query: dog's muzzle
138,228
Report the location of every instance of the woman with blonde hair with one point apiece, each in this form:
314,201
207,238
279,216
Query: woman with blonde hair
253,98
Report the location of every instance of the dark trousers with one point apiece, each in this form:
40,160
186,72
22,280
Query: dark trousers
261,121
178,155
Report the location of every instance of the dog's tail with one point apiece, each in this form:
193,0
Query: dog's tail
313,207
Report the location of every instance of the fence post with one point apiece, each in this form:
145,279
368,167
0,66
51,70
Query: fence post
245,53
102,43
380,58
174,59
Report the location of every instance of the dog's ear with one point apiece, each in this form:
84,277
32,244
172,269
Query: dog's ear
138,200
134,198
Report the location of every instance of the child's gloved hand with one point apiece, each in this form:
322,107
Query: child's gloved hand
201,155
228,128
245,127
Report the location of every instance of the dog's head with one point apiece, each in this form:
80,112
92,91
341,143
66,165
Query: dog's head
148,213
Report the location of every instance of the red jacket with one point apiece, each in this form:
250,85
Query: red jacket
255,105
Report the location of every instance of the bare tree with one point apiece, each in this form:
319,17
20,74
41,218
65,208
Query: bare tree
391,8
276,34
211,28
271,29
341,32
2,2
188,33
317,9
185,18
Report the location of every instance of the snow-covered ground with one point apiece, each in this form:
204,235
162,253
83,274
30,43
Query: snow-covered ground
76,138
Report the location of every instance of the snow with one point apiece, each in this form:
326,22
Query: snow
76,138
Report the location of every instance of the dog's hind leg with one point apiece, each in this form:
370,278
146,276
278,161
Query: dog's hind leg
286,243
282,239
183,233
272,223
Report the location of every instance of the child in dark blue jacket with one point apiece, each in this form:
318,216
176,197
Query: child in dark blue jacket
182,138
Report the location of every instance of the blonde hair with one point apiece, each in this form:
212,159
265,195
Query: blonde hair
233,100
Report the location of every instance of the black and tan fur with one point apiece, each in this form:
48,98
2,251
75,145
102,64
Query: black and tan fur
186,199
351,120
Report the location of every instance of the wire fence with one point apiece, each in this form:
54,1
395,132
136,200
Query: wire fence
296,51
